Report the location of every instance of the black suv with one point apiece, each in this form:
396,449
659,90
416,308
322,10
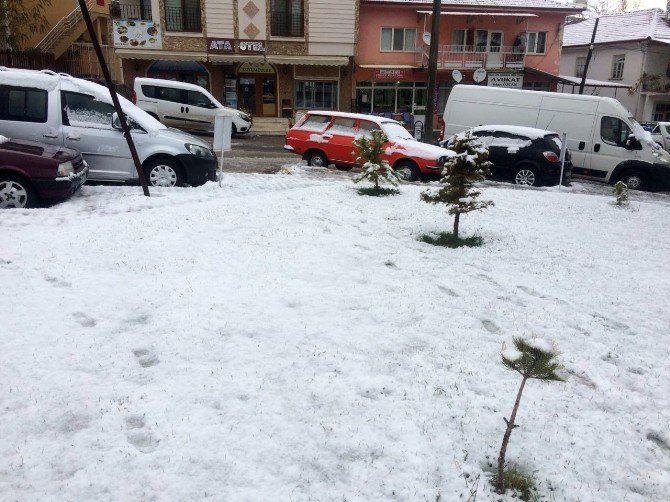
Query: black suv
523,155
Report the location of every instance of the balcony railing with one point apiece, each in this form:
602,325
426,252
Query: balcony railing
466,57
141,12
656,83
179,19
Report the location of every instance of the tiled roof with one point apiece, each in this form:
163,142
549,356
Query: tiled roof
514,4
646,24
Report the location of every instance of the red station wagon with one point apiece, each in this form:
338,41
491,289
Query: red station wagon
324,138
31,172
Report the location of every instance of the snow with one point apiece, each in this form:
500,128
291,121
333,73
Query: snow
511,354
283,338
542,344
529,132
317,138
3,139
413,148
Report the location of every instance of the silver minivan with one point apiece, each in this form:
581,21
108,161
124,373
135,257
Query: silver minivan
63,110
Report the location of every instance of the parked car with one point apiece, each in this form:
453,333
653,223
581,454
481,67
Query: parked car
184,105
324,138
605,141
69,112
32,172
660,133
523,155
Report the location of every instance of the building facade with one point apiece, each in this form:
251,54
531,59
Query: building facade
631,48
267,57
513,44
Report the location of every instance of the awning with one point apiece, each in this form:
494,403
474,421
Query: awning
307,60
505,14
164,55
389,66
235,58
568,80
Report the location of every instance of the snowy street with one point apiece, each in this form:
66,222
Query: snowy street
283,338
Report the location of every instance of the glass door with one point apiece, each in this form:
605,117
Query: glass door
247,94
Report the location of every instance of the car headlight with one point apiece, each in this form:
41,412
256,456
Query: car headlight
199,151
441,161
65,169
244,116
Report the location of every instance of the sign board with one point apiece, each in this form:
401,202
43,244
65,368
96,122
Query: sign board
223,131
507,80
479,75
390,74
260,67
234,45
130,33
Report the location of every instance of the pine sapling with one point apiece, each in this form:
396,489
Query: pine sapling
620,191
469,166
370,148
534,359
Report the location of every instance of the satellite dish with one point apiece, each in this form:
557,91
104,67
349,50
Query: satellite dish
457,75
479,75
426,37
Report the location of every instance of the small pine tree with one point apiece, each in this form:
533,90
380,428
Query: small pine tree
468,166
369,149
620,191
531,359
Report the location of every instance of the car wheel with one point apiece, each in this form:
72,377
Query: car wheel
343,168
635,180
234,130
164,173
16,192
317,159
408,170
527,175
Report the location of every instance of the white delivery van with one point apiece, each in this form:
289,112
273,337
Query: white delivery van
605,141
183,105
62,110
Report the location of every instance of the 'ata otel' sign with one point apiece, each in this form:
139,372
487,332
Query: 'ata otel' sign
232,45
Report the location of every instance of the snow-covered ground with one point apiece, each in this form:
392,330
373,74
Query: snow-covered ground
283,338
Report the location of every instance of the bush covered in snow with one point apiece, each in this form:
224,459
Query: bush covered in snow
461,172
369,149
620,191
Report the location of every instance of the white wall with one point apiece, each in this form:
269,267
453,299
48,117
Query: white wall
332,27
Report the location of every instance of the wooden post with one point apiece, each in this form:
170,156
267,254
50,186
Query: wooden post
588,56
115,98
432,70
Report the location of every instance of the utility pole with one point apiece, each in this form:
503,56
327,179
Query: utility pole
115,98
432,70
588,56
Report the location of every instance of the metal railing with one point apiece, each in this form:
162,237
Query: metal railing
141,12
81,61
469,57
66,24
180,19
27,60
655,83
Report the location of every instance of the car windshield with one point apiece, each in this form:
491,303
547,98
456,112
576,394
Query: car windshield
395,131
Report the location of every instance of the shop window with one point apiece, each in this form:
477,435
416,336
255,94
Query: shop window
182,15
316,94
287,18
617,66
387,98
535,42
398,39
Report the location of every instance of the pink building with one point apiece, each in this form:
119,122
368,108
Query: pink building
503,43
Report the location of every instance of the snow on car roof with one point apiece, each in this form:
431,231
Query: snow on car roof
372,118
529,132
165,82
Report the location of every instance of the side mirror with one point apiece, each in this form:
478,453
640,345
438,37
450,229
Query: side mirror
116,123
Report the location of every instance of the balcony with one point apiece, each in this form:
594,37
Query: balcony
140,11
466,57
655,84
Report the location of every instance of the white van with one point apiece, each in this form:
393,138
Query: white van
606,142
62,110
183,105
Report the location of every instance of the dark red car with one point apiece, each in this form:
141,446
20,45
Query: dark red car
33,172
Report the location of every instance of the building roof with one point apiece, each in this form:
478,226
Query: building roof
648,24
502,4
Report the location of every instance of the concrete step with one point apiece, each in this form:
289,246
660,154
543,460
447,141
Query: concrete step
270,126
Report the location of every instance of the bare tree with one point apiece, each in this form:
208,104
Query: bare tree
611,6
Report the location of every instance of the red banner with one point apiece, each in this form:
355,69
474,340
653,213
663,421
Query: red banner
391,74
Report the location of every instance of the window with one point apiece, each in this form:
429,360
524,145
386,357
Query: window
342,125
182,15
196,98
481,39
398,39
661,112
536,42
387,98
495,41
82,110
316,122
365,127
614,131
617,66
316,94
458,40
287,18
580,64
23,104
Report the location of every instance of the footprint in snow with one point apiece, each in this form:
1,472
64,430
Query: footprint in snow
141,439
145,358
490,326
447,290
84,320
138,319
659,440
57,282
